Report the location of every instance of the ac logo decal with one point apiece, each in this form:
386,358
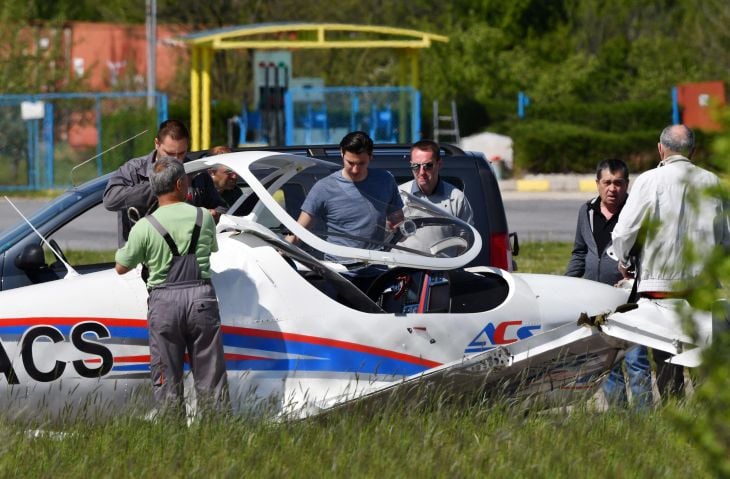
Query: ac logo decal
505,332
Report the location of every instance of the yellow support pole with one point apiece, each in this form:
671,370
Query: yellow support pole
312,36
205,100
195,98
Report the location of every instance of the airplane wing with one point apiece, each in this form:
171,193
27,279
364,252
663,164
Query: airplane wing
558,367
669,325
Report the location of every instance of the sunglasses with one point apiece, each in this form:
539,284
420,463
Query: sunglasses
425,166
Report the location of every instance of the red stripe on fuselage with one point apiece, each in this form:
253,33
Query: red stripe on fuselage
303,338
142,358
64,321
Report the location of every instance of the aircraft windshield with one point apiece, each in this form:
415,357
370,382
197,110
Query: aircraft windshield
276,186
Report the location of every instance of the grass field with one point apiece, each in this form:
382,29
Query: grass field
549,258
433,440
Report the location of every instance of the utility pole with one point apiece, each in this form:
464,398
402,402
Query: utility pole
151,24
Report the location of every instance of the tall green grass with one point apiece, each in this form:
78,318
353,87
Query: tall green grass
442,439
482,440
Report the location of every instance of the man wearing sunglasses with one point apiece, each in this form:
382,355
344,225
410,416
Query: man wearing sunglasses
426,184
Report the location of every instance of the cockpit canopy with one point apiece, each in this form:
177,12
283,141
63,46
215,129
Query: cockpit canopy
428,238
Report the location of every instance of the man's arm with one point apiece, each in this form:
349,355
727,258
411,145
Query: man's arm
465,212
629,223
305,219
722,226
577,263
205,195
130,255
121,269
395,206
123,190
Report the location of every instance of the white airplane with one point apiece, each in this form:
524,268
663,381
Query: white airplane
301,339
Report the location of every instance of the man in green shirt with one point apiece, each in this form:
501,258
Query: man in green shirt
175,243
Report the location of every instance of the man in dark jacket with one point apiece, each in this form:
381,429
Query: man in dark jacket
593,259
129,187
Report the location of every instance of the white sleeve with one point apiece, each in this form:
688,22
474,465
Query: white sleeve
631,218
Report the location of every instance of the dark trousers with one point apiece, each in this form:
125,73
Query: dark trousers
186,318
669,377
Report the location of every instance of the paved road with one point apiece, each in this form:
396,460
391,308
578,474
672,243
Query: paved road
95,230
543,216
8,216
549,216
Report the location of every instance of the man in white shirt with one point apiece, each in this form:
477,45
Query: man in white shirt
682,225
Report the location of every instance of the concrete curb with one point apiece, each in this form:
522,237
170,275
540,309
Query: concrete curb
547,183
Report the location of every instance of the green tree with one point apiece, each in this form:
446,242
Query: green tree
33,59
707,423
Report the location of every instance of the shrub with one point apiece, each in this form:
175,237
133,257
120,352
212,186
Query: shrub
610,117
551,147
542,146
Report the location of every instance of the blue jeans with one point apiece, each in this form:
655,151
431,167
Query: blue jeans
639,372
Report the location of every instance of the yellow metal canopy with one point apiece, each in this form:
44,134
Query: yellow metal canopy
283,36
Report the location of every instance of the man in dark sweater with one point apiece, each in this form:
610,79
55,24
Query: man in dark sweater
128,190
593,259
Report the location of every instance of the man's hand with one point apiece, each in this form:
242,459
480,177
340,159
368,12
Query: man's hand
394,219
305,219
625,270
216,215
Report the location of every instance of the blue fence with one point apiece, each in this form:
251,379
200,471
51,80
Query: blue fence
325,115
62,128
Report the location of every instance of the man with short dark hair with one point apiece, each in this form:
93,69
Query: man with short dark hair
129,186
682,224
356,204
175,243
593,259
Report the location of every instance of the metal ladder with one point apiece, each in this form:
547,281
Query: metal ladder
446,125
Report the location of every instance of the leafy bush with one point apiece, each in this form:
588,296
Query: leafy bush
542,146
550,147
610,117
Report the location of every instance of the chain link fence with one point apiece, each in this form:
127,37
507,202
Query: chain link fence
54,140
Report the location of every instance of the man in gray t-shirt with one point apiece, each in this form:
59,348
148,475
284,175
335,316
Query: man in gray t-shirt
356,205
354,208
